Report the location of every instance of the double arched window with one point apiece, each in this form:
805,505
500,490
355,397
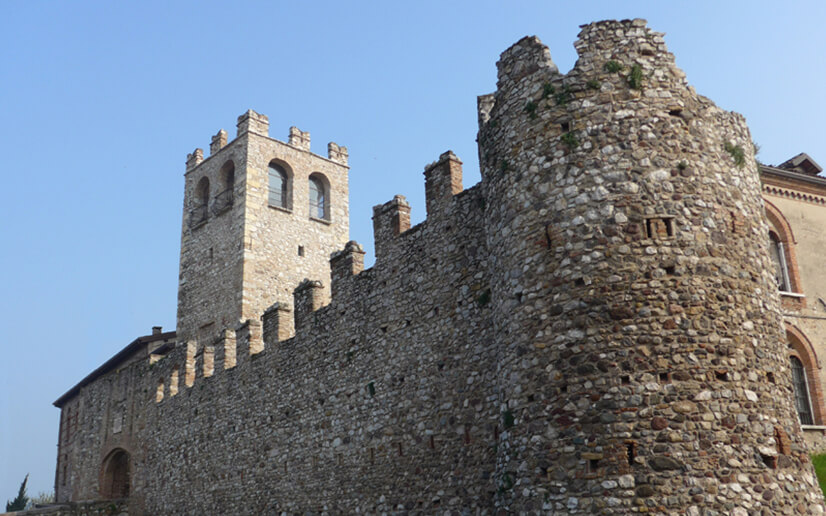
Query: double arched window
279,187
280,195
319,197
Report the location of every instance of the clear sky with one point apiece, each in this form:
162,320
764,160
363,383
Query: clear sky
101,101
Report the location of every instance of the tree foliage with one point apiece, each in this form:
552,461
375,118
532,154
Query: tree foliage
19,503
41,498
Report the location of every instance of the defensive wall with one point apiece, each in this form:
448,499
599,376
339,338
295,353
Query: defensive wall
593,328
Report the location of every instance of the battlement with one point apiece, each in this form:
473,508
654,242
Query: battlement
258,124
594,328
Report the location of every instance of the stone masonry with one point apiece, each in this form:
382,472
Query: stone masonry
592,329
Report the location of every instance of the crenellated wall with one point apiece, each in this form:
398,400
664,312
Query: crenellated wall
391,383
593,328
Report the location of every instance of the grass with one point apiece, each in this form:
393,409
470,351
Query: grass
635,77
570,140
507,419
530,109
737,153
562,97
613,66
593,84
819,462
484,298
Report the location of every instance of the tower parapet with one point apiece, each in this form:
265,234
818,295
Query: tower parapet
253,122
260,215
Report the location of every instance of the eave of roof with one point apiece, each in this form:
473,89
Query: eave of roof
795,176
113,362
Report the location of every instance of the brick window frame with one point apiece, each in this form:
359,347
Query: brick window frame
801,348
793,297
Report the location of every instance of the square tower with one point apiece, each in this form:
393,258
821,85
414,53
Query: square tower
260,215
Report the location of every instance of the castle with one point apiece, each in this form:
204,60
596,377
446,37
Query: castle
601,325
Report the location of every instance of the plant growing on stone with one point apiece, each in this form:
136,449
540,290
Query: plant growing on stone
484,298
504,166
635,77
507,419
562,97
530,109
507,482
593,84
548,90
613,66
682,165
736,152
570,140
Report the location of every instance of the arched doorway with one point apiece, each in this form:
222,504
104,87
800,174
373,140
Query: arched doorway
115,475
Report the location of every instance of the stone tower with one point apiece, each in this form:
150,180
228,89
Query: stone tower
260,215
641,357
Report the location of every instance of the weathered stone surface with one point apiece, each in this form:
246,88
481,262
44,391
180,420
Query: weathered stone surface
581,332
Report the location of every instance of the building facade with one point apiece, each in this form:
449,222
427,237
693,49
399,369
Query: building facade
609,322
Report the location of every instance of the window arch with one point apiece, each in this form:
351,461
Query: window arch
804,363
784,257
228,175
781,267
802,400
199,211
114,480
319,197
223,200
279,186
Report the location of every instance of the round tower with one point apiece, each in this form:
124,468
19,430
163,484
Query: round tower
642,361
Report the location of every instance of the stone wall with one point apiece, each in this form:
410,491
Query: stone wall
90,508
591,329
635,311
244,255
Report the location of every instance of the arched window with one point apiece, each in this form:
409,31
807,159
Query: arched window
784,258
228,175
805,366
199,211
319,197
223,201
781,268
115,476
279,183
802,401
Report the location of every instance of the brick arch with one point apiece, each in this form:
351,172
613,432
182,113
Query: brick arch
781,227
779,222
115,475
801,347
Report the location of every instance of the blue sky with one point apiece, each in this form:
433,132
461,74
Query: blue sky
101,102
